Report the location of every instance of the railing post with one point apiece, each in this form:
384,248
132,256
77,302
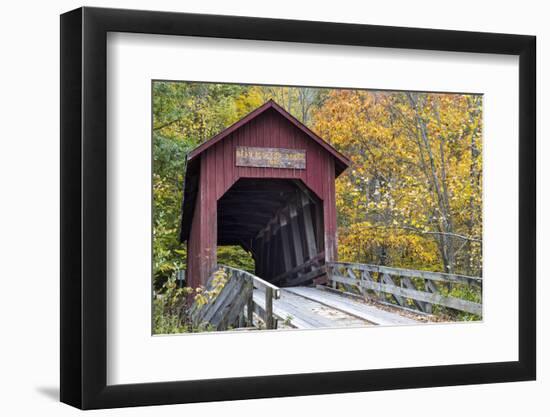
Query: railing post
432,288
329,275
269,308
250,308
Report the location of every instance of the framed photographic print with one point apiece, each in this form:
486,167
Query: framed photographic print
257,208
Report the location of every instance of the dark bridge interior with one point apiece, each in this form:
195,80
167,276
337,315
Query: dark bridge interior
280,221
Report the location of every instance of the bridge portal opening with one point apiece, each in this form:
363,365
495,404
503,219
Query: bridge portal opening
280,222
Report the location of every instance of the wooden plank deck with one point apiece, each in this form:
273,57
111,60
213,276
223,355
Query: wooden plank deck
312,308
300,313
352,307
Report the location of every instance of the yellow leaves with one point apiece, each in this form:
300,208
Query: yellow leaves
245,103
361,241
399,172
204,296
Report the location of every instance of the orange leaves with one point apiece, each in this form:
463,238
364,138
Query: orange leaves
416,170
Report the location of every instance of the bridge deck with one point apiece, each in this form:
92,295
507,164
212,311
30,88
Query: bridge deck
312,308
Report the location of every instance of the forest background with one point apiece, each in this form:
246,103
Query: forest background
412,197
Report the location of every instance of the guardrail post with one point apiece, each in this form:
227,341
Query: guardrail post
330,272
269,308
250,308
432,288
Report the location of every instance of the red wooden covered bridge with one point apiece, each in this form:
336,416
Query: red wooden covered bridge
267,184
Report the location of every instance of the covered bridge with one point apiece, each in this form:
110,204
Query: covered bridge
265,183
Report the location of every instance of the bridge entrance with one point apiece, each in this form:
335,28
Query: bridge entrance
279,221
265,183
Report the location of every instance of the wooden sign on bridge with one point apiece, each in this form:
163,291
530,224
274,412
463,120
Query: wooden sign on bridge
249,156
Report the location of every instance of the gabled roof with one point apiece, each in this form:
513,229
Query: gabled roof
193,161
341,161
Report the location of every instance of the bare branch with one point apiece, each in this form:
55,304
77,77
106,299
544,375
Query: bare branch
426,232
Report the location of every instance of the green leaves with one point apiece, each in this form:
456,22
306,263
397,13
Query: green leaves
236,257
185,115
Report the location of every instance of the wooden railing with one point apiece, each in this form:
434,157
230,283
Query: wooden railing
298,274
404,287
271,293
227,309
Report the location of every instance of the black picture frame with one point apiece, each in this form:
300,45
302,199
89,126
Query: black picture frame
84,207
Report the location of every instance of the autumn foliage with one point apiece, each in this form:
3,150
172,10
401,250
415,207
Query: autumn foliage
411,198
